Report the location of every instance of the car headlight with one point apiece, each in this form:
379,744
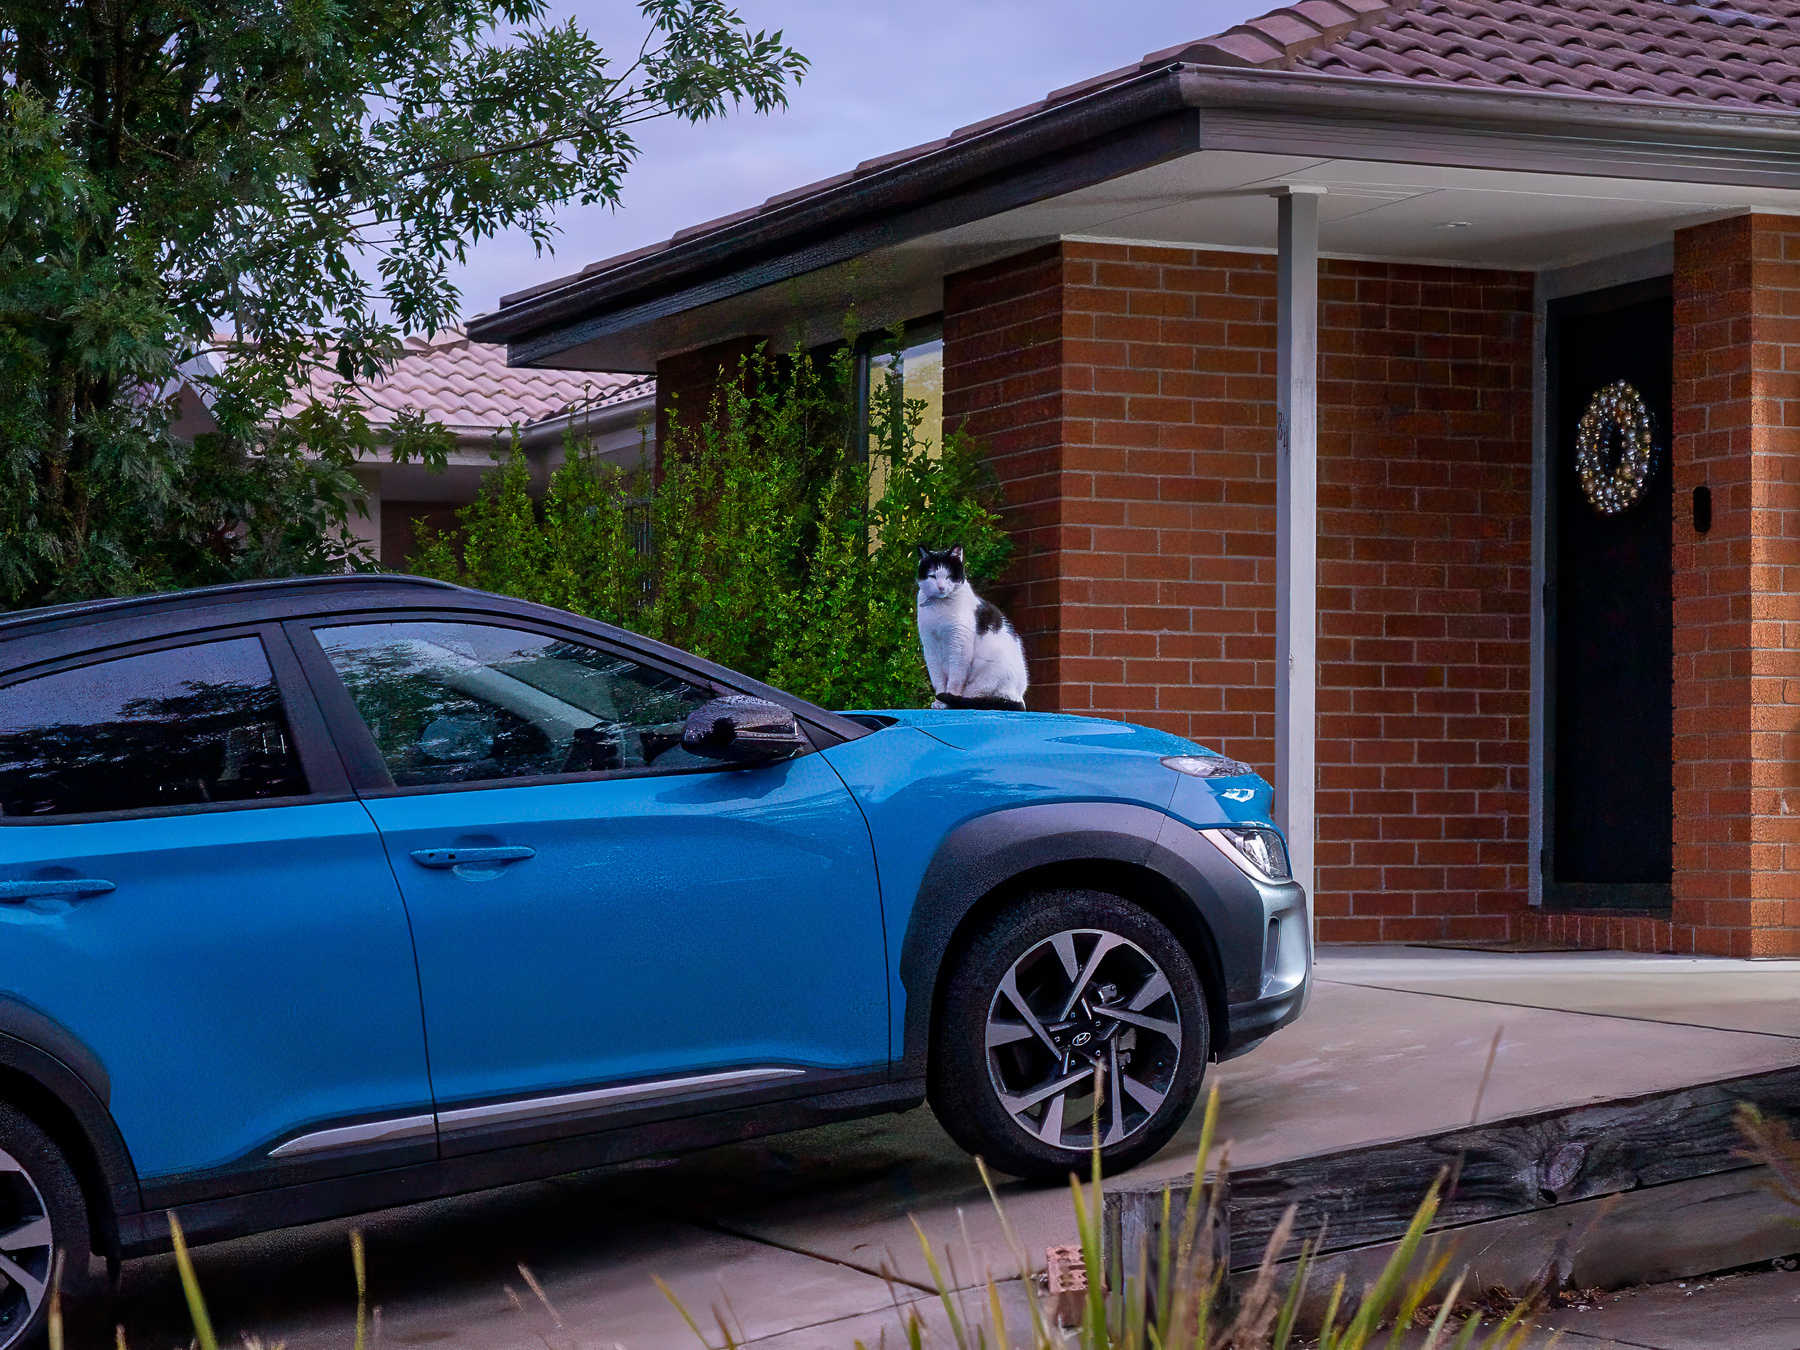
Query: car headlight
1207,766
1256,849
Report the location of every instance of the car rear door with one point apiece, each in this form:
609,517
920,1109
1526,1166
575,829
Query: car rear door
609,930
190,889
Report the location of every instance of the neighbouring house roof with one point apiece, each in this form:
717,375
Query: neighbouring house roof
1697,91
468,387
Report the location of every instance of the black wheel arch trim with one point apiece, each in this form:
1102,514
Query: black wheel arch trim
51,1075
1213,908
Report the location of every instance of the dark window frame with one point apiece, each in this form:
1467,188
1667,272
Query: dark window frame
363,762
319,761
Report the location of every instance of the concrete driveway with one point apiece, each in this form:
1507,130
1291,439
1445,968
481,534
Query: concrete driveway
806,1240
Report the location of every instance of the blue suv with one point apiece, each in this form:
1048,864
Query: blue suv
327,895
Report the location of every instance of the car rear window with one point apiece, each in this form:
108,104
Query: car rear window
179,727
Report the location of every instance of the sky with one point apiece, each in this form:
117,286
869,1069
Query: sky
884,77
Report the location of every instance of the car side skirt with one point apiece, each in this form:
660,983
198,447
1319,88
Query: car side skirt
521,1158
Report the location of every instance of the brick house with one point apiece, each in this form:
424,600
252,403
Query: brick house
1281,342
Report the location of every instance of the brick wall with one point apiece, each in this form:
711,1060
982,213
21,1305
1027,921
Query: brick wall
690,380
1004,382
1129,397
1425,601
1737,588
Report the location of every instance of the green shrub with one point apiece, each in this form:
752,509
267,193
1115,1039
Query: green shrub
767,550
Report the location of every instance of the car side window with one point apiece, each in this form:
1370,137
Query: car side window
168,728
464,702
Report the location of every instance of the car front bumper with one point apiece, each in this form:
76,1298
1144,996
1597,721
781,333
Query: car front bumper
1286,973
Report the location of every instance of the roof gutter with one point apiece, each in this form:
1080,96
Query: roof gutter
1128,125
1450,125
601,421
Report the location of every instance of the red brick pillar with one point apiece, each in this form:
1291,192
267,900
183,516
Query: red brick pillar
1004,383
1127,397
1737,610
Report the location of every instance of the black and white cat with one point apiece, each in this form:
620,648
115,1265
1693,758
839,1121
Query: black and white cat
972,653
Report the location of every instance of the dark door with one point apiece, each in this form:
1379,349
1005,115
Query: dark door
1609,787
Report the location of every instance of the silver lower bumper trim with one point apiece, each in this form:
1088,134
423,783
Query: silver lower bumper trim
572,1103
370,1132
530,1108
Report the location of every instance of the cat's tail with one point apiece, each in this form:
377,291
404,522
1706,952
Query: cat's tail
986,704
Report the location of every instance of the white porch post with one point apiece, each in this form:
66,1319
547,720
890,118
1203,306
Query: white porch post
1297,523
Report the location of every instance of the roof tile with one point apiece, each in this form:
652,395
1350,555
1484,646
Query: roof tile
1239,47
869,166
1674,51
974,127
716,223
1330,18
468,386
1092,82
795,194
1284,29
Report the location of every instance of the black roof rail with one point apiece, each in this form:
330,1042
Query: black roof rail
19,618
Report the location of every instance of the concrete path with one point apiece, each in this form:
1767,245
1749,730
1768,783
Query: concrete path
805,1241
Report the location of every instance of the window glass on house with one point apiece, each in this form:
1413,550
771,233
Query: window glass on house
463,703
180,727
920,365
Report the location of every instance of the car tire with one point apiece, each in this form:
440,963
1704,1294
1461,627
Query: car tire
994,1076
42,1216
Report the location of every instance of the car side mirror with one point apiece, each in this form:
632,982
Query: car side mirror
743,730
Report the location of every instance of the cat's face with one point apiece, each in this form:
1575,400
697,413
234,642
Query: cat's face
940,572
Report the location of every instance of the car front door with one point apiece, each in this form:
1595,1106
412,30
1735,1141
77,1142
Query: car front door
188,887
608,928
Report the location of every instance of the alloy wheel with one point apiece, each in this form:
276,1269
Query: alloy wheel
27,1249
1083,1033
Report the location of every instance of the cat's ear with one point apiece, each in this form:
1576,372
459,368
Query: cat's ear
924,553
957,553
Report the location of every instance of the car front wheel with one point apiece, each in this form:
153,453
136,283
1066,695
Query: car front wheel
1071,1013
42,1218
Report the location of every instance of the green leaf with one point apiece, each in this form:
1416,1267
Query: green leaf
257,198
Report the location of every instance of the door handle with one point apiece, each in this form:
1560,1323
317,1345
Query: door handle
456,857
15,891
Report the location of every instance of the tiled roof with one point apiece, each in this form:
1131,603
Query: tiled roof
1746,53
1724,54
468,386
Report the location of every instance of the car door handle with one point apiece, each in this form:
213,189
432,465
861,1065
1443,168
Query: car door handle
15,891
456,857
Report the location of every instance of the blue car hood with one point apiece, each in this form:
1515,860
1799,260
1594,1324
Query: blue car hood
1126,754
993,730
